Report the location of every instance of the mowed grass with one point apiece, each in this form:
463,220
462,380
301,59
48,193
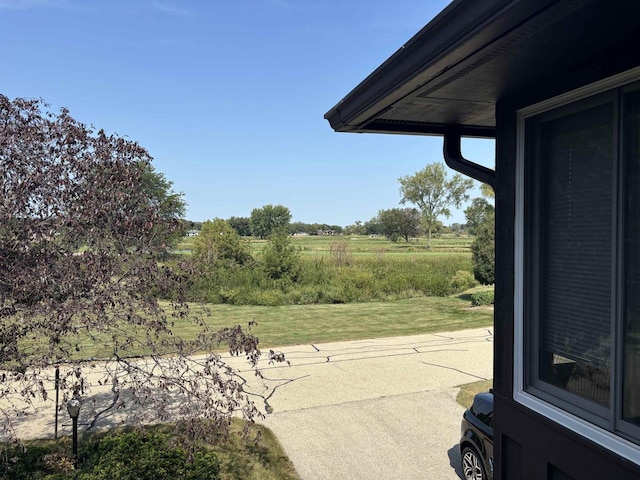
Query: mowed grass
305,324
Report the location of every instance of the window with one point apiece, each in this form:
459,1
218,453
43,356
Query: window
579,255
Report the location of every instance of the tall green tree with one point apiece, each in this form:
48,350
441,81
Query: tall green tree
487,191
434,193
269,218
477,214
483,252
399,223
357,228
242,225
373,227
170,205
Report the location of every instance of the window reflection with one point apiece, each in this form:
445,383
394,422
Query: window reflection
577,156
631,332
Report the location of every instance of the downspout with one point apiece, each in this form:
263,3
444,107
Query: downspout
454,159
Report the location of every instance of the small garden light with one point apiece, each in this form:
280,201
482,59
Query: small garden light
73,407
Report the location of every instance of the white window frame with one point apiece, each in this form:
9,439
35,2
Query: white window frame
605,438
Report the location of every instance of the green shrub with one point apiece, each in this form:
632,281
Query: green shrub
114,456
463,280
280,258
313,280
144,456
267,298
22,464
485,297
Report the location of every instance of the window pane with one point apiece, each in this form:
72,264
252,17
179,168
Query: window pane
631,329
576,164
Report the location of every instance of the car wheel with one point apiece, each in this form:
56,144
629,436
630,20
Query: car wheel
472,465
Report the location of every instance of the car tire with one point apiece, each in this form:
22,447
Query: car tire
472,468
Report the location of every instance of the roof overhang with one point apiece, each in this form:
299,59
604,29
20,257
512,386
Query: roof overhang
452,73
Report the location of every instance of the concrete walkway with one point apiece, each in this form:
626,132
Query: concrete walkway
377,409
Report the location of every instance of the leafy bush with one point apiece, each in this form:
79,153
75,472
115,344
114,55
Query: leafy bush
22,464
145,456
115,456
463,280
280,258
321,281
218,242
485,297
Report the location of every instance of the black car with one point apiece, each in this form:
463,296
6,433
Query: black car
476,442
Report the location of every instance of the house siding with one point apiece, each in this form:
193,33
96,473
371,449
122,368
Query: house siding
527,445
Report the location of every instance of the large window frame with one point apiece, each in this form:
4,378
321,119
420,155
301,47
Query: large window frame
602,425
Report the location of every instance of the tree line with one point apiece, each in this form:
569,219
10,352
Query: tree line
430,190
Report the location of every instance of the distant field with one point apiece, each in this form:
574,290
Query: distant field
314,245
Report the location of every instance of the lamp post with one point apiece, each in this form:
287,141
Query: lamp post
73,407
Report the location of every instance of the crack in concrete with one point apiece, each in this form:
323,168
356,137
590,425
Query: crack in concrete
455,370
375,354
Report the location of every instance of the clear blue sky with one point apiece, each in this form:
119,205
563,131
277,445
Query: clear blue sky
228,96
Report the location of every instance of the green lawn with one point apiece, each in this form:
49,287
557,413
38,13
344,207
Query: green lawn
304,324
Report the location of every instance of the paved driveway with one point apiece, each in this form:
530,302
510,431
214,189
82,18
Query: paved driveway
377,409
371,409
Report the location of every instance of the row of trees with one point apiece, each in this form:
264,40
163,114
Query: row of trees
429,189
265,220
432,192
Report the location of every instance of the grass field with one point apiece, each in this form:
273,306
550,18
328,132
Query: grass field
304,324
359,245
307,324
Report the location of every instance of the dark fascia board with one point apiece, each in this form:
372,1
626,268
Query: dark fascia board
418,128
460,30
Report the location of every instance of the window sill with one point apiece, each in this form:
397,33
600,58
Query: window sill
606,439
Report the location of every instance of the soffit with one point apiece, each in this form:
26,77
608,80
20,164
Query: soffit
453,72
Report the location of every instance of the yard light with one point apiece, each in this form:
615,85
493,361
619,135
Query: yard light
73,407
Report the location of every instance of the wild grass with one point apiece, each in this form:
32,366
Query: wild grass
320,280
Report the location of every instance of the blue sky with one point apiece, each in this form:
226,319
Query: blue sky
229,96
